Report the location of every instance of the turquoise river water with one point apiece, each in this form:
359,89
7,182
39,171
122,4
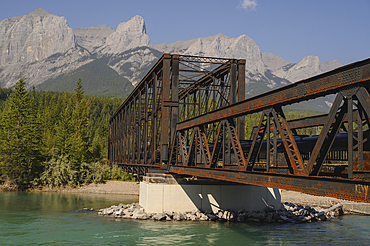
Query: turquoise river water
56,219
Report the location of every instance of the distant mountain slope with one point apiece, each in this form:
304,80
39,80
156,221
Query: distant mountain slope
97,79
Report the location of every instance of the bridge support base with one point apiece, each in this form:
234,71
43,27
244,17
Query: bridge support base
165,192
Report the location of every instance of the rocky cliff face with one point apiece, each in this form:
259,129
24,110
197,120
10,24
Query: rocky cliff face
128,35
37,45
92,37
34,37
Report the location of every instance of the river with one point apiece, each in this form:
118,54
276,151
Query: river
57,219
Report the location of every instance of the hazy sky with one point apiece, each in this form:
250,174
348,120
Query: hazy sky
291,29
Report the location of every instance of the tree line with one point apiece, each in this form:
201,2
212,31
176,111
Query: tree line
54,138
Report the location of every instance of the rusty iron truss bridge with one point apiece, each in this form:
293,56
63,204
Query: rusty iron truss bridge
187,116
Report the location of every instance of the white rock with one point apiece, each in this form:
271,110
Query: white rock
128,35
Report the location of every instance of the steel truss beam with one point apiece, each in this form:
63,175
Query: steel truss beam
143,129
353,190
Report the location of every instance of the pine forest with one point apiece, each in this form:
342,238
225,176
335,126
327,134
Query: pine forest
54,139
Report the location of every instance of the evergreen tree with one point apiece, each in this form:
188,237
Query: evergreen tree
65,143
72,138
20,139
79,90
80,122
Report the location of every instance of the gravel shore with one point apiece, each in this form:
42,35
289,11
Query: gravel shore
349,207
110,187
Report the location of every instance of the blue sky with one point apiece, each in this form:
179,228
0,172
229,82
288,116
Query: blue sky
291,29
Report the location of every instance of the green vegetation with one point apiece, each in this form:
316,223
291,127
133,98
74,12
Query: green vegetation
102,81
54,138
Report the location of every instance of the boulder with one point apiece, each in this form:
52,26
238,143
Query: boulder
159,216
177,216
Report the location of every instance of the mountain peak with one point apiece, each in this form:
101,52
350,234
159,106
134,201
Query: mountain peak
128,35
39,12
221,35
136,24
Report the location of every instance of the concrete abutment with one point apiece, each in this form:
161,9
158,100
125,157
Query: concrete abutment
165,192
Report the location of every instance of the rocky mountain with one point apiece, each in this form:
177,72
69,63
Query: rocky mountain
37,46
220,46
309,66
129,35
44,49
34,37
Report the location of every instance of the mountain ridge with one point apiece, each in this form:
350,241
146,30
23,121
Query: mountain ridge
127,50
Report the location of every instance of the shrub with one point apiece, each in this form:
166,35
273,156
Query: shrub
118,174
58,172
99,173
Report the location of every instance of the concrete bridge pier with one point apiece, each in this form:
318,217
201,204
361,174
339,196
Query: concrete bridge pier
165,192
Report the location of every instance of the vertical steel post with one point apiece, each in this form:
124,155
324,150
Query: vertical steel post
274,152
214,108
200,101
133,130
129,131
232,97
166,72
146,125
241,97
268,142
139,127
194,104
119,116
350,136
125,134
154,118
187,117
360,138
223,145
206,99
174,94
233,85
122,125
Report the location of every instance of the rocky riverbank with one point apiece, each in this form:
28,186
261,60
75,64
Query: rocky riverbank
133,188
288,212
